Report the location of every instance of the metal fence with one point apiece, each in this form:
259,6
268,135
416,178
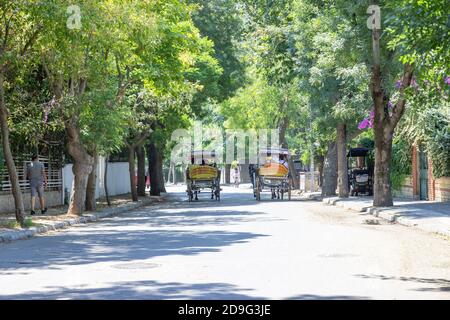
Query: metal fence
52,169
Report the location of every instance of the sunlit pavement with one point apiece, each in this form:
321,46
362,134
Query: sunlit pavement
234,249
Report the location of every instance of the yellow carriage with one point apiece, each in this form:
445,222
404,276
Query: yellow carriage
201,174
273,174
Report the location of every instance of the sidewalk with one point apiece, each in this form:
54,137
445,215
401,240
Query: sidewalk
308,195
54,220
425,215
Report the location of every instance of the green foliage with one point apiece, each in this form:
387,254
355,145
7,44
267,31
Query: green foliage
28,223
221,22
401,163
419,31
331,63
160,64
438,147
255,106
104,127
427,122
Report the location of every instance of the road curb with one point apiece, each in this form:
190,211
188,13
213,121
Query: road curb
308,196
388,214
13,235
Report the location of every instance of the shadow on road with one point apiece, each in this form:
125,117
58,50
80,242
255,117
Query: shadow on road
192,217
144,290
229,199
440,284
83,247
136,235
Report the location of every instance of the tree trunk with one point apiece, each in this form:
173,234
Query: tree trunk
385,121
105,181
91,203
284,144
155,170
183,169
383,146
174,173
320,169
330,171
294,174
82,168
342,160
132,170
140,153
228,173
169,173
162,182
81,171
382,182
17,193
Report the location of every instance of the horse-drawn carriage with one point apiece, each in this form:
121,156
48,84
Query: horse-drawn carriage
201,174
360,173
272,173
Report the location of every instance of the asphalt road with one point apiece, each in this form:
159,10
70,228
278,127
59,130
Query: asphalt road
235,249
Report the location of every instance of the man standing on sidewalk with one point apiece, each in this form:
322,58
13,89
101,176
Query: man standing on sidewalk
38,179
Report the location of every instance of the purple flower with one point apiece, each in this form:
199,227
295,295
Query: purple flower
390,105
367,123
447,80
364,124
398,84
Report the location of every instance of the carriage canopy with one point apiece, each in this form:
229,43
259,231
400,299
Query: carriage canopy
274,151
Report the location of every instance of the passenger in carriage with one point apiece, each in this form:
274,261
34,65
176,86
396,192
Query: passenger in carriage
283,160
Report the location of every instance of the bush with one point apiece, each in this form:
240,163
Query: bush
438,148
401,165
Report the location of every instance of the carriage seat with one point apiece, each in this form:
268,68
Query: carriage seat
361,175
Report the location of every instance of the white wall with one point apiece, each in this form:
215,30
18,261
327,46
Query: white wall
118,178
67,176
52,198
305,181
